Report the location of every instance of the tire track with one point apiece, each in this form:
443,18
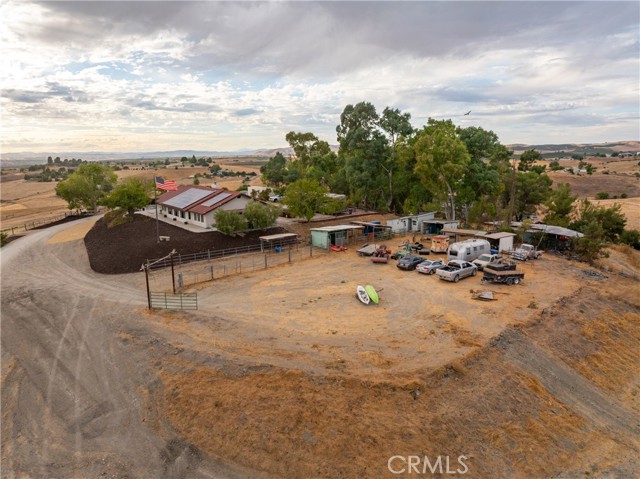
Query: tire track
570,387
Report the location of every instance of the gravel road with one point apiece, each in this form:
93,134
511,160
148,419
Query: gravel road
74,402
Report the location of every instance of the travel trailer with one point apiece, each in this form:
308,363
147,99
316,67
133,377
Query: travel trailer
468,250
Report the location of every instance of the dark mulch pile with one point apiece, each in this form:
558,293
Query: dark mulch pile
123,248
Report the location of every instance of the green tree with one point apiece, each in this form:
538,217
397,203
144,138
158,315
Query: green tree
229,222
131,194
396,126
532,189
302,145
610,219
274,171
87,186
260,216
304,197
527,159
591,244
480,143
560,204
441,160
362,149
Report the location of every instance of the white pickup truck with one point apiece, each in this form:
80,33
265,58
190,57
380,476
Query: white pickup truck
485,259
456,269
525,252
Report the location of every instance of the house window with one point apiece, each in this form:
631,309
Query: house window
189,214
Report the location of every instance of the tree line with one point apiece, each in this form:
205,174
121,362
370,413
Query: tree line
386,164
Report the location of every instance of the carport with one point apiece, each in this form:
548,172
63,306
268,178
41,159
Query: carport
336,235
272,241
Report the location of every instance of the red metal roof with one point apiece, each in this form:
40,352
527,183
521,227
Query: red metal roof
203,210
197,206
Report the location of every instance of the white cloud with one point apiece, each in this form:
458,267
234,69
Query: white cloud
211,75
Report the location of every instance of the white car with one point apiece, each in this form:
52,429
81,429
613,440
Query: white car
430,266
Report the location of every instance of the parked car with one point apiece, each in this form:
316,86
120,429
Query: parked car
409,262
455,270
430,266
485,259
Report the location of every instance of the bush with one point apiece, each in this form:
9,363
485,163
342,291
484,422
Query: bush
259,216
631,237
624,195
3,239
230,222
603,195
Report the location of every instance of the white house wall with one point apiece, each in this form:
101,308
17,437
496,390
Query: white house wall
236,204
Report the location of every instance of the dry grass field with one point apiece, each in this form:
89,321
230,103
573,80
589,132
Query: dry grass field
27,201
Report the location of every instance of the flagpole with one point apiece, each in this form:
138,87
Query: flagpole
155,197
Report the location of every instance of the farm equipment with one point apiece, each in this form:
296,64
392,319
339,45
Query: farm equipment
381,255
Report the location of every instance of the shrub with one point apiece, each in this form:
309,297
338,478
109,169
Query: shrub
259,216
624,195
230,222
603,195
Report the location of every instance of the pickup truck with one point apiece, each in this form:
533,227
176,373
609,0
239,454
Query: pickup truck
485,259
525,252
456,269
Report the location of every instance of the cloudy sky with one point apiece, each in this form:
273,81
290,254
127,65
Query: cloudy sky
151,76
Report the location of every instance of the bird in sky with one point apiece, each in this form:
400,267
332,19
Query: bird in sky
467,113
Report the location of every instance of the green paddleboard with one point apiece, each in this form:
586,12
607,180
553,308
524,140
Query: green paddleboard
373,294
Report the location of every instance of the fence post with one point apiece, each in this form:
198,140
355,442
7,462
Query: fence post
310,250
289,253
265,261
209,255
211,272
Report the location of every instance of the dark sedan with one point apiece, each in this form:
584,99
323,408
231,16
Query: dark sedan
409,262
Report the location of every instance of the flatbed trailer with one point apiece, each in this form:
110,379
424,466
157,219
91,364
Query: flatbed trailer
504,276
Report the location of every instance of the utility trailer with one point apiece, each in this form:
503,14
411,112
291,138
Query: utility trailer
502,273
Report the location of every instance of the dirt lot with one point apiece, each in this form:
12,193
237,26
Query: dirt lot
319,385
283,373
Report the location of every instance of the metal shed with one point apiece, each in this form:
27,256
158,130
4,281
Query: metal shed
407,224
327,236
501,241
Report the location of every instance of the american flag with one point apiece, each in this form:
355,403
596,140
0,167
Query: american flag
166,185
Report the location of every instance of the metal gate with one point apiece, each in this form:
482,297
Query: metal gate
174,301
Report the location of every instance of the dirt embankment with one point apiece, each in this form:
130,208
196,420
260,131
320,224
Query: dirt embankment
122,249
558,397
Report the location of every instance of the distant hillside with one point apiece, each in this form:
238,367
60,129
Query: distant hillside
26,158
584,148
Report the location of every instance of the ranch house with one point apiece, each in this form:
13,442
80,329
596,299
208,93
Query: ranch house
197,204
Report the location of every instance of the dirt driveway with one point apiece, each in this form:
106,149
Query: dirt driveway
307,313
